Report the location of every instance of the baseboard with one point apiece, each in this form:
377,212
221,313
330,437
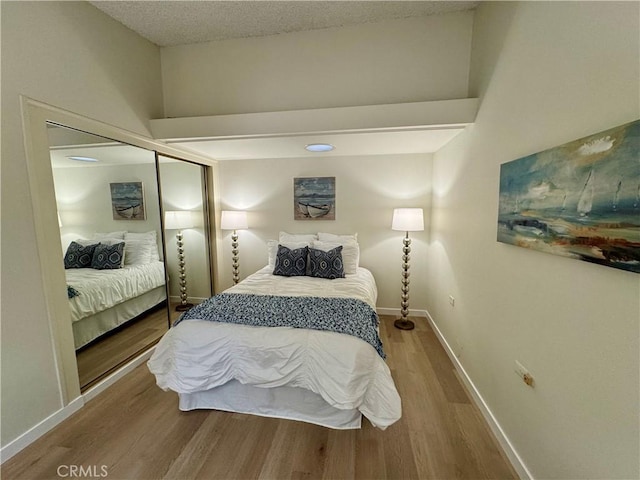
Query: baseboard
58,417
117,375
396,312
195,300
31,435
502,438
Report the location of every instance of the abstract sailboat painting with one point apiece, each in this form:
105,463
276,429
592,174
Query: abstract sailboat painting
579,200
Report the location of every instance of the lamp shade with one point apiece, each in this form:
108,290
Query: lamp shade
408,220
233,220
178,219
59,220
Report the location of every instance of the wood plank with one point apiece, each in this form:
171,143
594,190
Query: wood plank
113,350
341,452
369,458
443,368
278,463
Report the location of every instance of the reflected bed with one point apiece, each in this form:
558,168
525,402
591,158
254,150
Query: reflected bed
107,299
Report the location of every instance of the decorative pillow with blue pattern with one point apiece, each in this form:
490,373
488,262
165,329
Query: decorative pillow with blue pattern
291,262
107,257
79,256
326,264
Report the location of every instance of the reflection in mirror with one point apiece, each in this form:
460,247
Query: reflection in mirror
109,217
186,232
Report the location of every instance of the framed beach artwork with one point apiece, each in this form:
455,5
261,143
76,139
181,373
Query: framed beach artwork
314,198
578,200
127,201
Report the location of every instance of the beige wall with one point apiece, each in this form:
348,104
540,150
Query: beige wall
368,188
83,198
547,73
181,184
398,61
70,55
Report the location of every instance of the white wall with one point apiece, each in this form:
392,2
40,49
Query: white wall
181,184
368,188
546,73
405,60
83,197
397,61
70,55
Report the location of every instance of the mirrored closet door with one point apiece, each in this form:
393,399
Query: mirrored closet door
184,202
109,212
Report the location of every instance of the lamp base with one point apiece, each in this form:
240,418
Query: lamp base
404,324
184,307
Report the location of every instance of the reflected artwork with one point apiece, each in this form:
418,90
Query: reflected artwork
127,201
578,200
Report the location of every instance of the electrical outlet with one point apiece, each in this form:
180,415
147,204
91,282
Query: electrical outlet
524,374
452,301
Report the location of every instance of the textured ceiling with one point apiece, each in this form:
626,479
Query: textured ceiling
169,23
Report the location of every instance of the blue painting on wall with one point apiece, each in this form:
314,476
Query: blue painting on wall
314,198
127,201
579,200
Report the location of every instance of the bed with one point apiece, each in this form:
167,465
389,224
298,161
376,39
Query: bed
112,278
107,299
322,377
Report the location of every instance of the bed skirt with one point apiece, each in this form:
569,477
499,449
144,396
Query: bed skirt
89,328
289,403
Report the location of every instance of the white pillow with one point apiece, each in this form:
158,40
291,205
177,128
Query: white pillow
350,253
332,237
152,238
298,238
118,235
272,251
272,247
140,248
104,240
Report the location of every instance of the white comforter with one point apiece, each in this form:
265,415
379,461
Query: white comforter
347,372
102,289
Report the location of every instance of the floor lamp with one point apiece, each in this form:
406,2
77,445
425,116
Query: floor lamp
180,220
406,220
234,220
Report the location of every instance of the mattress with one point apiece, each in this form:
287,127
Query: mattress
345,372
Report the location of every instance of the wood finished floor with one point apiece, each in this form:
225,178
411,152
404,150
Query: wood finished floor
137,432
112,351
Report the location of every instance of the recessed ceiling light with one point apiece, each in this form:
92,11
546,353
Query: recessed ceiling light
83,159
319,147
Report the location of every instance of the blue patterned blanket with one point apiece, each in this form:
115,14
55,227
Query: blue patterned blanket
342,315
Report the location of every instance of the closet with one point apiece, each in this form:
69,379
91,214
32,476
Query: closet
126,275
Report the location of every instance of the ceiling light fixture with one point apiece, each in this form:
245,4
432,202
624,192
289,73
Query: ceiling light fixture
319,147
83,159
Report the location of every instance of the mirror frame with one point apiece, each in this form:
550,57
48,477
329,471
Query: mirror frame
35,116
